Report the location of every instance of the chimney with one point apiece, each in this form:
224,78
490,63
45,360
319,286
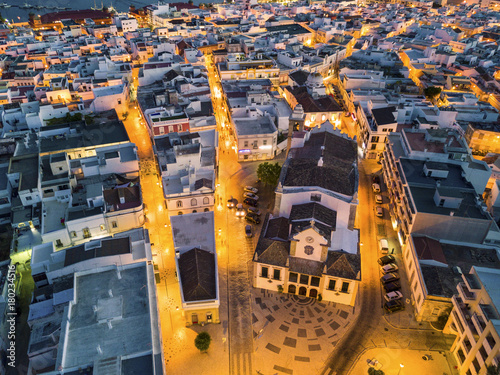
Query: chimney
177,254
110,292
320,161
118,274
121,196
438,183
110,326
99,350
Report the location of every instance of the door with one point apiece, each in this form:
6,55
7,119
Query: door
209,317
292,289
194,318
313,293
302,291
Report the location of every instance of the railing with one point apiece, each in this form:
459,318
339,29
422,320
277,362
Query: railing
464,292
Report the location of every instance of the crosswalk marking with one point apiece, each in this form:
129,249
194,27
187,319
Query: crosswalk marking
241,364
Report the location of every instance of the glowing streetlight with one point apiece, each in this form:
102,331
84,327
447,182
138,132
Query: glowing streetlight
400,367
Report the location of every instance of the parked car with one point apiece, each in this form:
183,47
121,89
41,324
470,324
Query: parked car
383,245
391,287
389,278
240,211
391,296
379,199
248,231
250,202
376,179
376,188
394,305
379,211
251,189
391,267
254,210
252,219
386,260
251,195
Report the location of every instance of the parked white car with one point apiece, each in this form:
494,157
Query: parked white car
391,296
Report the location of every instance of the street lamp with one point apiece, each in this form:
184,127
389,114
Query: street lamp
400,367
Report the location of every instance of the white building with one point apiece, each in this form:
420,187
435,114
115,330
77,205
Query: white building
187,167
196,264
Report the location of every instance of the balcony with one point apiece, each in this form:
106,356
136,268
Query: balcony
465,293
464,314
478,322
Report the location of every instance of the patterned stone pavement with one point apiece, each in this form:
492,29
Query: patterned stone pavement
295,334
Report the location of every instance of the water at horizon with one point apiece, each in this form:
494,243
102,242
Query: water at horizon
16,14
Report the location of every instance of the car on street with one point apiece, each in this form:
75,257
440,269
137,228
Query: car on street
376,188
383,245
248,231
386,260
376,179
391,267
389,278
394,305
254,210
393,295
379,211
251,195
250,202
379,199
252,219
251,189
391,287
232,203
240,211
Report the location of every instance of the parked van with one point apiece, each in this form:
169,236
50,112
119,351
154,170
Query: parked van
383,246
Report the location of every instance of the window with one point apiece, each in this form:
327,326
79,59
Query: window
114,224
86,233
59,243
179,213
264,272
194,211
374,139
331,284
277,274
373,147
162,130
73,233
29,198
245,144
256,144
119,102
345,287
304,279
206,210
194,202
292,277
315,281
476,365
435,311
102,227
206,200
461,355
264,142
179,204
316,197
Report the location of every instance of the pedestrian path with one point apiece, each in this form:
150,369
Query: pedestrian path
295,334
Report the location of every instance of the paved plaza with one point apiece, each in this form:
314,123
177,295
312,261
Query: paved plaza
295,334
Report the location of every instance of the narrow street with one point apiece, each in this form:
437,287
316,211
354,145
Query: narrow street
235,267
371,328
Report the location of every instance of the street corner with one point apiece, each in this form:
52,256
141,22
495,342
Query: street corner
295,333
395,361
